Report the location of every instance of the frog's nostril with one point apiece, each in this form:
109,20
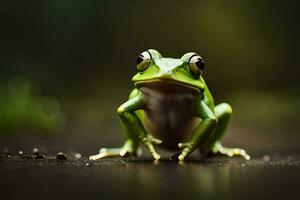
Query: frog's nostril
169,72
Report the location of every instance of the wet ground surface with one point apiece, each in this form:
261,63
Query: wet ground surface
52,177
42,173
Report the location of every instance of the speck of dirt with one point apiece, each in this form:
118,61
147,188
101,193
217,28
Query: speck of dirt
36,154
266,158
61,156
20,153
35,151
78,155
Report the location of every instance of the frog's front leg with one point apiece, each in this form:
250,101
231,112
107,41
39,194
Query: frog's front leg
213,145
134,129
205,128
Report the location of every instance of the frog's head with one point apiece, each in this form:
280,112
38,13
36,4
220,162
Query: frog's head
186,71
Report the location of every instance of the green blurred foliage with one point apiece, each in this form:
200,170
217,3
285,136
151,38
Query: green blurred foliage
23,109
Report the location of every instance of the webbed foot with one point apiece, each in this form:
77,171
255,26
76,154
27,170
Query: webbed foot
129,149
219,149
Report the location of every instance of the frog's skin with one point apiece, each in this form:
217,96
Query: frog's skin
172,106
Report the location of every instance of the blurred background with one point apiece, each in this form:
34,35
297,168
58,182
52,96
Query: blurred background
65,66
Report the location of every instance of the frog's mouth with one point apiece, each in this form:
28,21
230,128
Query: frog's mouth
168,86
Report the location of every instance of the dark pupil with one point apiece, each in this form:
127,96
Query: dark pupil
200,64
139,59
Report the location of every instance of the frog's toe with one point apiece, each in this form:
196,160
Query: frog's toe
104,152
130,148
125,151
234,152
156,156
183,145
230,151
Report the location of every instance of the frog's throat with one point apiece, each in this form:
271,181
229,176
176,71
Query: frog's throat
167,83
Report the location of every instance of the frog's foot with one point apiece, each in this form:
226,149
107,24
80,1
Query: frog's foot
129,149
149,141
187,149
218,148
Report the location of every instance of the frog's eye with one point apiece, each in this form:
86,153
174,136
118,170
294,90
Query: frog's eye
143,61
196,65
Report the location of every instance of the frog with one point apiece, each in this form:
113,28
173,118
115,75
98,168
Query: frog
171,106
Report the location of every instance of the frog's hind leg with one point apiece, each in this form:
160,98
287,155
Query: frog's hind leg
223,113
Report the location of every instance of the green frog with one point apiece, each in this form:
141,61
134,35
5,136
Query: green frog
171,106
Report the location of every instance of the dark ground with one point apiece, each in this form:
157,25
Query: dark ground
272,173
265,177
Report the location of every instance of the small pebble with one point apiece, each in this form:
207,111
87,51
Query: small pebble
20,153
266,158
87,164
78,155
37,154
61,156
35,151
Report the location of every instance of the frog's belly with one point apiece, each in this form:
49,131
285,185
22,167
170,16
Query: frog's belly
169,116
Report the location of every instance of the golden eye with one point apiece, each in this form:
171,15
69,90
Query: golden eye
143,61
196,65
